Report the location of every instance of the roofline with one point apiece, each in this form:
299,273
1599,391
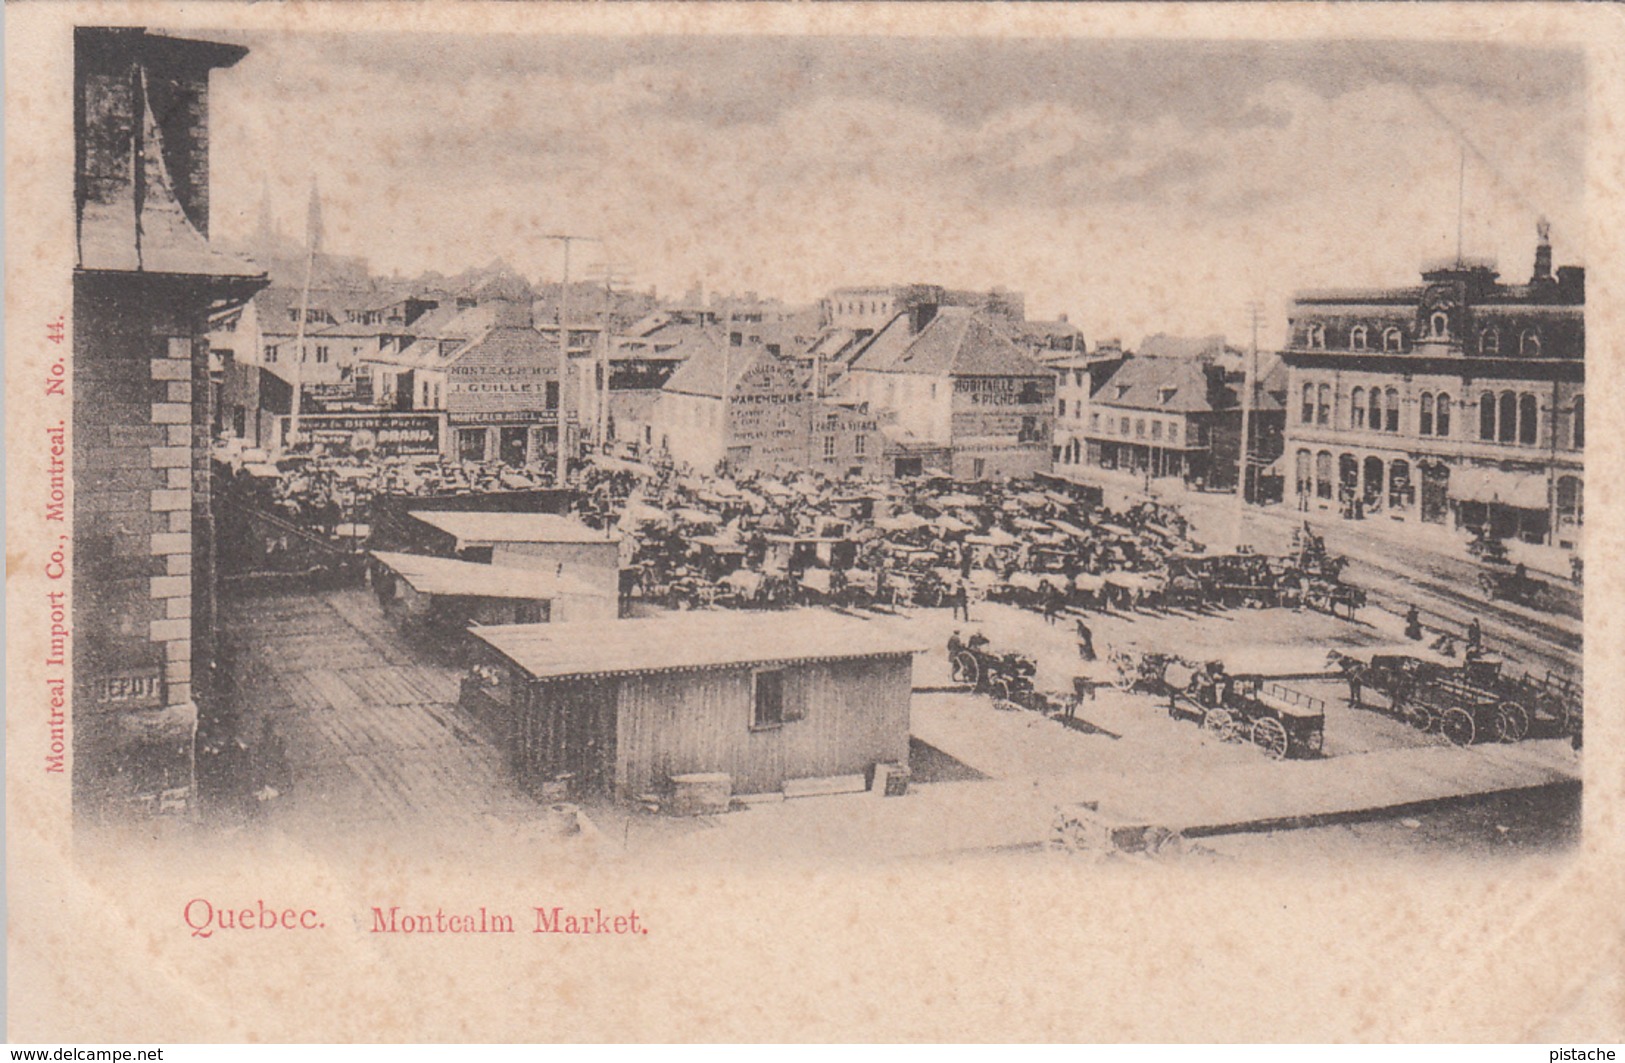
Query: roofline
753,662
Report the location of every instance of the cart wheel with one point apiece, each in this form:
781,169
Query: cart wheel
1127,672
1512,722
967,669
1421,717
1222,723
1002,700
1457,725
1269,734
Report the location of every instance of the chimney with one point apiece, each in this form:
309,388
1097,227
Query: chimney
919,316
1571,284
1543,254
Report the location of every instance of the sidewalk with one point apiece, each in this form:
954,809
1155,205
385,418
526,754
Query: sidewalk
1128,488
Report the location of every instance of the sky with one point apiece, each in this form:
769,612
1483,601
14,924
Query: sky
1137,186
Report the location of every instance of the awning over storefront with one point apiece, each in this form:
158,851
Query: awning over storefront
1520,490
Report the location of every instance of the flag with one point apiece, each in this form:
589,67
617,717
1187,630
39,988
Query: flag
313,223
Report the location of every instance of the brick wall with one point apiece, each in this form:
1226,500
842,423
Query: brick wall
141,494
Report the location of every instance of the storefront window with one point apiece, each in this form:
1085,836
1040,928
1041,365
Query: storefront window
471,444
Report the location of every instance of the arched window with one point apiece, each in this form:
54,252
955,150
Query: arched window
1424,415
1323,474
1357,338
1304,481
1392,410
1528,419
1323,411
1309,404
1441,419
1400,491
1489,342
1393,340
1577,432
1317,336
1507,429
1348,477
1376,409
1439,325
1529,347
1357,408
1486,417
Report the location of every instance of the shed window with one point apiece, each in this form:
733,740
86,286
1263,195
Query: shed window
769,699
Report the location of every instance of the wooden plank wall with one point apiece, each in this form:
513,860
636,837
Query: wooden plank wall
674,723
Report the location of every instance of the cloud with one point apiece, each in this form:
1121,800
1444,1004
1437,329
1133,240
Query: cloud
1144,186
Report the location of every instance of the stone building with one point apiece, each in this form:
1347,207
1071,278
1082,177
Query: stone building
145,284
1459,401
952,391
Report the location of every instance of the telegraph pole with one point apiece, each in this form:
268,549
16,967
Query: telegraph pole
605,354
564,355
1255,311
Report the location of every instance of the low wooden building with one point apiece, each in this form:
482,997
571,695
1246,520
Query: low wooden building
767,699
545,542
443,592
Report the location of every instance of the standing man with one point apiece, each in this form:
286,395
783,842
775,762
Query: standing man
962,600
1475,638
1413,624
1086,642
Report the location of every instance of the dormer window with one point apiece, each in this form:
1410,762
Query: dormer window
1317,337
1167,395
1489,342
1393,340
1122,390
1439,325
1357,338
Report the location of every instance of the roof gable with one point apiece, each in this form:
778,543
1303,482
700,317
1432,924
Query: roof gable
956,342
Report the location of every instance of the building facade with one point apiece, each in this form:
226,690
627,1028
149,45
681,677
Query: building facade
1460,401
1166,417
770,420
953,391
145,284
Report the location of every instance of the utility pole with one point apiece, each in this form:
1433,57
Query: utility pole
1461,202
564,356
1255,311
313,237
605,354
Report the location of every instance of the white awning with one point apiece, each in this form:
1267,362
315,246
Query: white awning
1521,490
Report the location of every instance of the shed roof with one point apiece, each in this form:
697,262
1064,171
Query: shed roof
486,527
448,576
694,641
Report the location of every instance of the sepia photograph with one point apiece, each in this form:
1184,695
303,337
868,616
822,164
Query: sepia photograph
600,464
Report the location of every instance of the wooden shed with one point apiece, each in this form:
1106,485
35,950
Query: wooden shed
545,542
766,698
450,593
